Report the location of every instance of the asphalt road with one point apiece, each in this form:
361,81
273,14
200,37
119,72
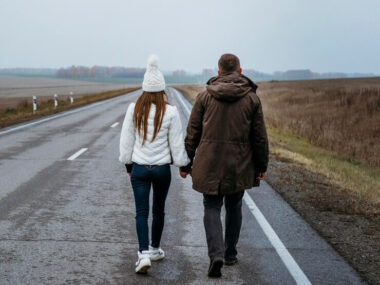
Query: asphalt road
67,214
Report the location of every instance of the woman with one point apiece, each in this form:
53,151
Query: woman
151,139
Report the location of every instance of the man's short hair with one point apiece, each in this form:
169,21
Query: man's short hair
229,62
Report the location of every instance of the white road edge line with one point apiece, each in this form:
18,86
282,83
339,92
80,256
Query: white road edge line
298,275
114,124
78,153
292,266
179,96
76,110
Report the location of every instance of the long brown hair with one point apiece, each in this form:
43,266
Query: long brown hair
141,113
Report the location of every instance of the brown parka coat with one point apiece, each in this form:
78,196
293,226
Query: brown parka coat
226,136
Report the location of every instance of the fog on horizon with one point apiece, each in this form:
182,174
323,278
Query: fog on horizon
324,36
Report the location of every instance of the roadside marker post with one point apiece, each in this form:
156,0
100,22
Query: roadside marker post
71,98
34,104
55,100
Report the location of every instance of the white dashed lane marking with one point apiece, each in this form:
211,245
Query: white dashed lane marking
78,153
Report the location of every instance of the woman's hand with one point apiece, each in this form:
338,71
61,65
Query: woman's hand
129,169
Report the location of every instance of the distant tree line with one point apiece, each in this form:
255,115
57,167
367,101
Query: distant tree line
307,74
131,74
100,72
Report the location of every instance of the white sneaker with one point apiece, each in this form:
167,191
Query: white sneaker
143,263
156,253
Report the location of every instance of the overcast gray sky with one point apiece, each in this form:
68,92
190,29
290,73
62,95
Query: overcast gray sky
267,35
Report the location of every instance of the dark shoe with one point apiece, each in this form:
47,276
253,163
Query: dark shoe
230,260
215,265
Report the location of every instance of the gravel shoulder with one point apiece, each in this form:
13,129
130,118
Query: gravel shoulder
355,237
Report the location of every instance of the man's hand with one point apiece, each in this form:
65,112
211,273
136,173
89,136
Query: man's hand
183,174
261,175
129,174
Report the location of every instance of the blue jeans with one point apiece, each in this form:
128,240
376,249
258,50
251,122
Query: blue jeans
142,178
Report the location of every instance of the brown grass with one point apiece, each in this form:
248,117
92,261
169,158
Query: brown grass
353,188
341,115
24,109
21,86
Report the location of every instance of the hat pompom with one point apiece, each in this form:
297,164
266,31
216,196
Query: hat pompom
154,80
153,61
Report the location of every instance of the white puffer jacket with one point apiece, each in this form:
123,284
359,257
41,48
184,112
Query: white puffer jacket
167,145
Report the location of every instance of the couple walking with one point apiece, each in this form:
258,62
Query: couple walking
225,151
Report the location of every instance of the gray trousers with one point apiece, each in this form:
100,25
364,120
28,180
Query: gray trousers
213,224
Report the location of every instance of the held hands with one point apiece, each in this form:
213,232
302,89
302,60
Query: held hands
261,175
183,174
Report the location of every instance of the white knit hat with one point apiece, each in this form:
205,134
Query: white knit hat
153,79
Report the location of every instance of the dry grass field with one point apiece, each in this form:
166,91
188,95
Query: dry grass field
342,115
14,89
16,96
24,110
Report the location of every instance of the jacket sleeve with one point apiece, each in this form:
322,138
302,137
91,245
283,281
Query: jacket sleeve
194,130
259,138
127,137
176,143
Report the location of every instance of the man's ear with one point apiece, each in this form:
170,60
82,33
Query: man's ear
219,72
240,70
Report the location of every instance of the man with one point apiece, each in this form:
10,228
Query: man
227,140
